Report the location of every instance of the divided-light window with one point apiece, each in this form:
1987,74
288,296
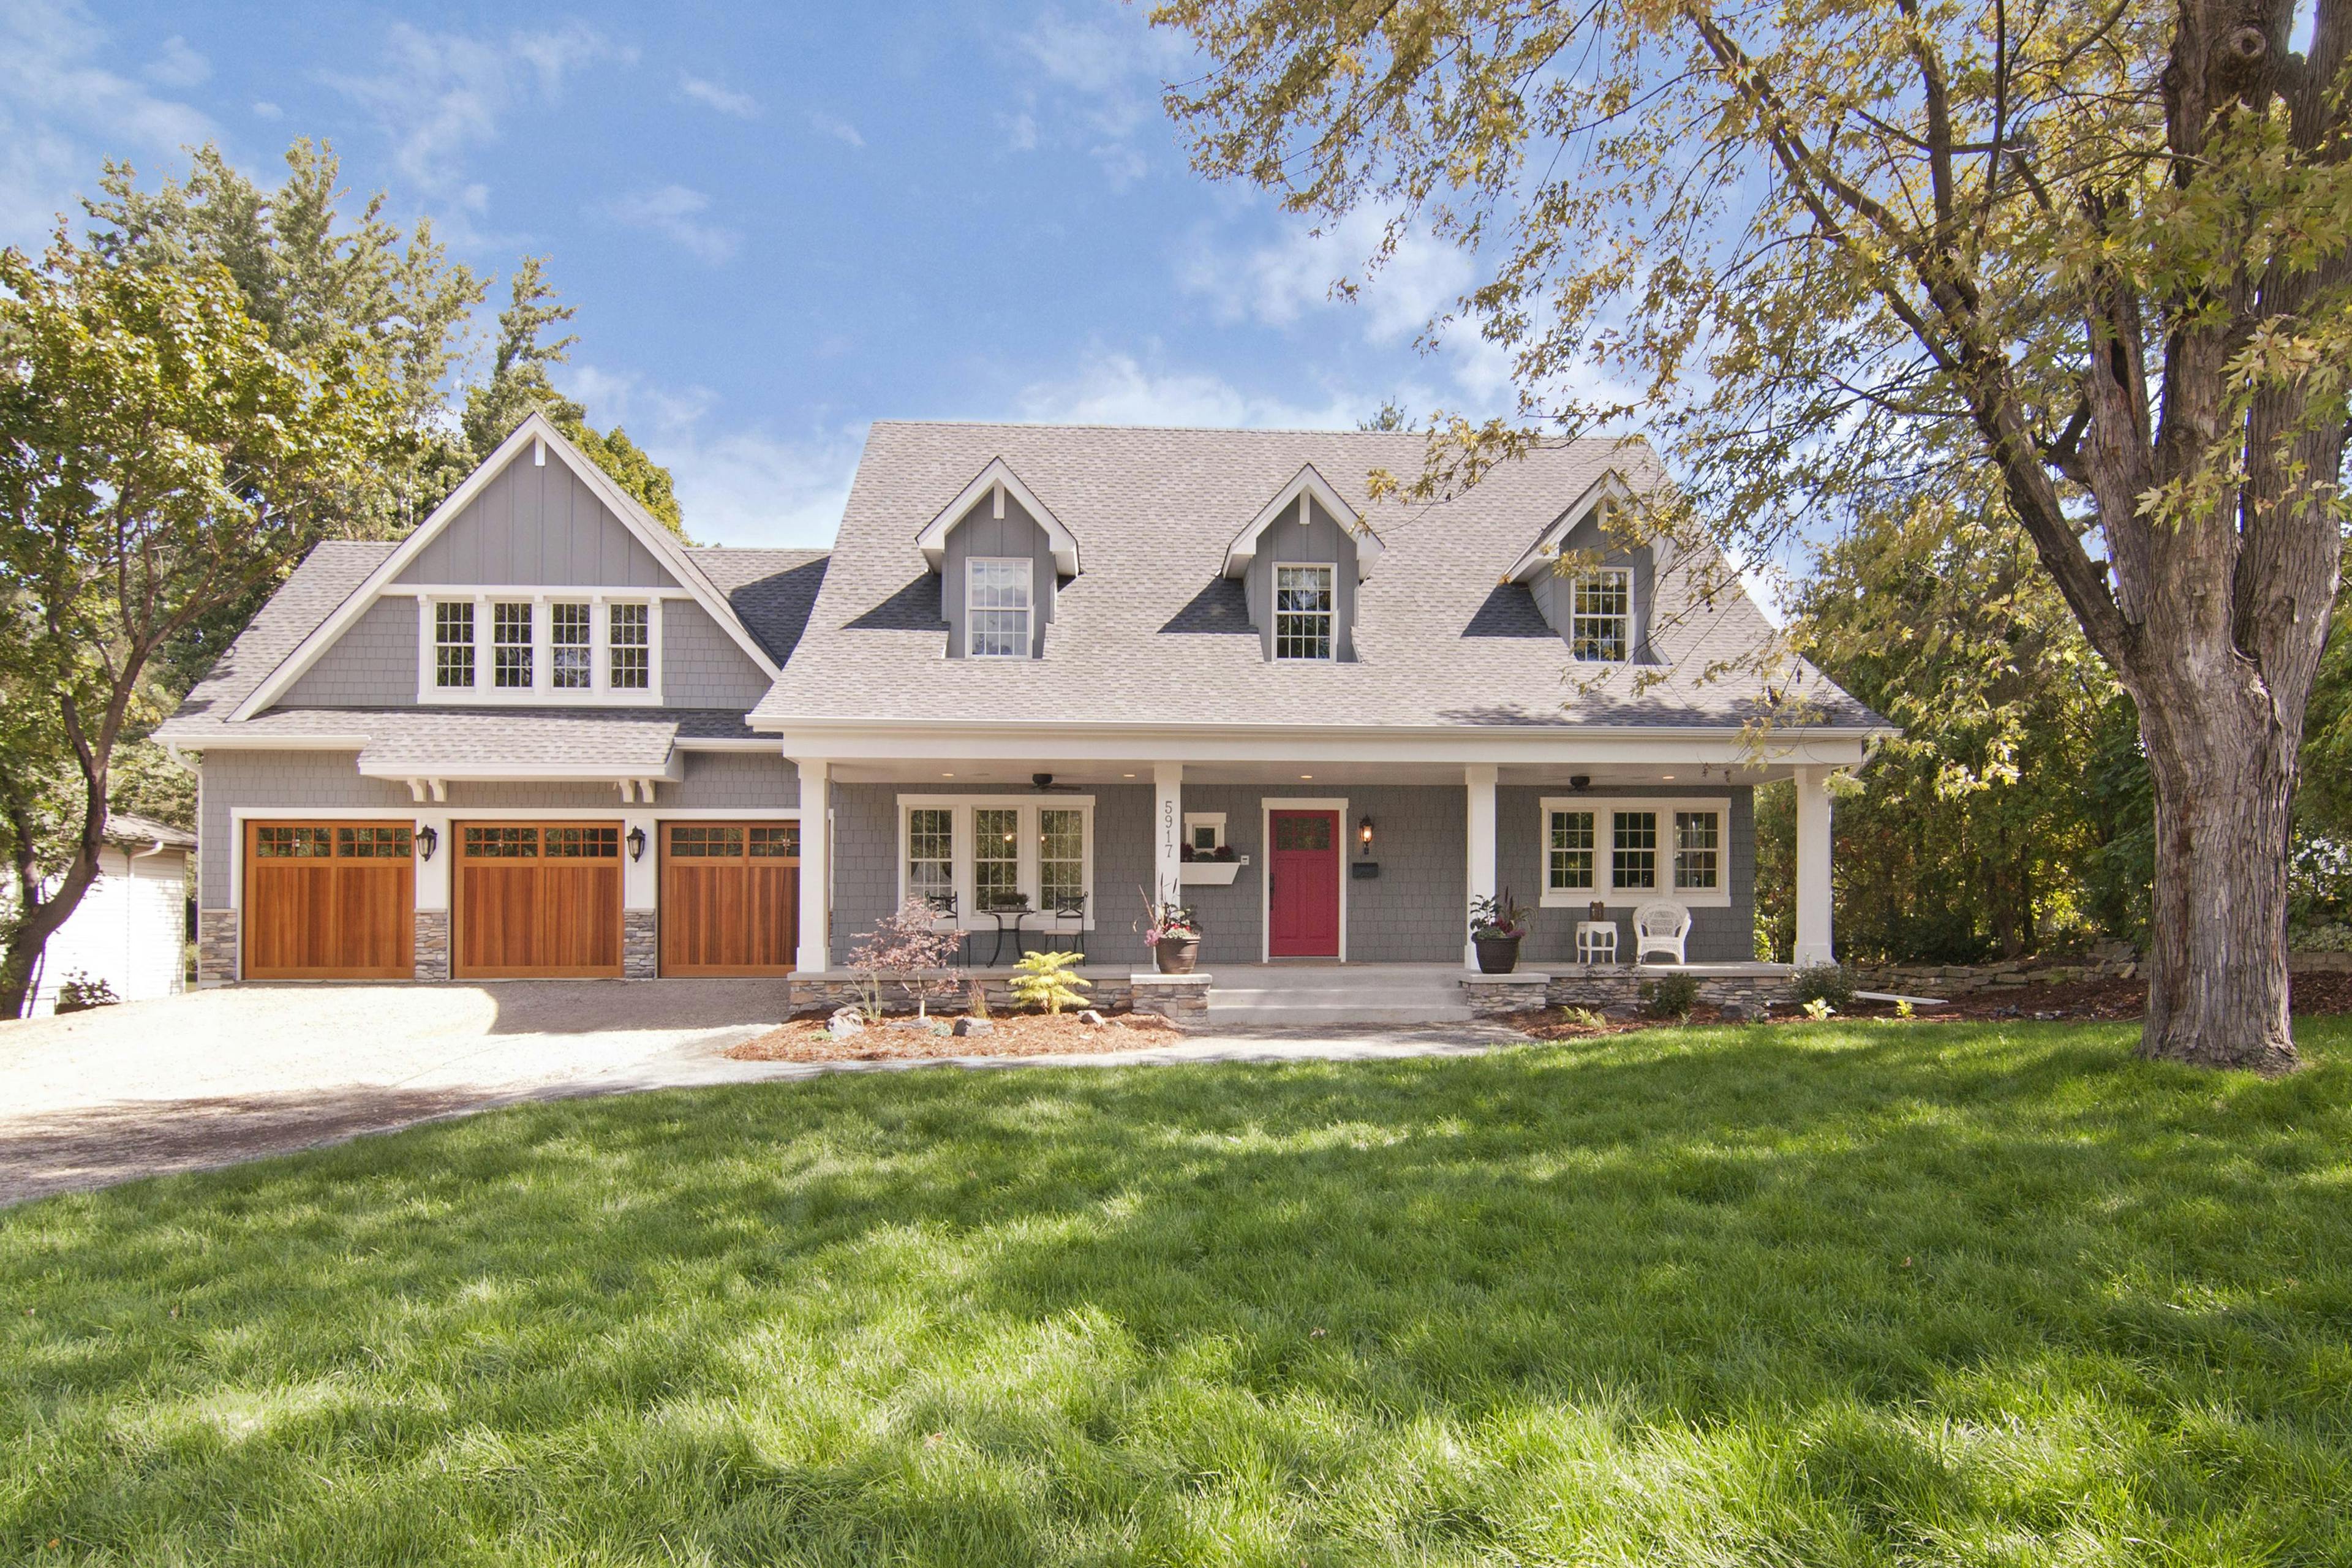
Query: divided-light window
979,856
1601,625
542,647
1627,852
1302,612
996,607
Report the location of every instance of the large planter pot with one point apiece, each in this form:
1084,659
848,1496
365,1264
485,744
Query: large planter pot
1177,954
1496,954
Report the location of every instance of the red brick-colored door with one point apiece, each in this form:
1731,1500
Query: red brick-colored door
1303,896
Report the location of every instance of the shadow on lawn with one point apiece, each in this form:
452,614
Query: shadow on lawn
1129,1273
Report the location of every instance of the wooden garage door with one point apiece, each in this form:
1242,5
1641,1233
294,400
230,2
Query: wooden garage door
730,896
329,900
538,899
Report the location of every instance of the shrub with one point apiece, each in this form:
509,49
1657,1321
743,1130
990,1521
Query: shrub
82,991
1044,980
1824,983
905,947
1670,996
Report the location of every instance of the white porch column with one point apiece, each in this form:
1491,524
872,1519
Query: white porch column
1167,831
1479,779
1814,868
816,869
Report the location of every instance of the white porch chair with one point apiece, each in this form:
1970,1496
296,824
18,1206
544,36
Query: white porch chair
1661,928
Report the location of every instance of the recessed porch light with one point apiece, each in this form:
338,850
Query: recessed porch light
1306,775
1667,777
1127,776
947,775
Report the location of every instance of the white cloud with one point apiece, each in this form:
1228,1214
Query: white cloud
1117,389
743,485
177,65
1020,132
676,212
726,100
61,112
265,109
833,125
440,95
1110,67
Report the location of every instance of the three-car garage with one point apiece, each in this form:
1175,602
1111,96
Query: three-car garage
543,898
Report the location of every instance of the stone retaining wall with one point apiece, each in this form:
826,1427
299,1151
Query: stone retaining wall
2108,960
824,993
1619,989
1182,999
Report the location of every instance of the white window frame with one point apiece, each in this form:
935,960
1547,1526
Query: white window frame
1604,809
969,917
542,691
1330,616
1028,611
1625,638
1212,820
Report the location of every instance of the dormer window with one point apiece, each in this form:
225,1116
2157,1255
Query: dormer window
1302,612
997,606
1600,628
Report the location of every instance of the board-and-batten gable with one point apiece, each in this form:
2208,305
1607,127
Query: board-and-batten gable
537,525
1322,540
523,519
979,531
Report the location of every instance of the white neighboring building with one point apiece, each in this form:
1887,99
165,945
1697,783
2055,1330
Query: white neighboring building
131,929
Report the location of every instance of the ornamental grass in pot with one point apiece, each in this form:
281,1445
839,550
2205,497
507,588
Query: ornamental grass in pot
1497,928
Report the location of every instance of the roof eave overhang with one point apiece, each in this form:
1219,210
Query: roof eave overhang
671,769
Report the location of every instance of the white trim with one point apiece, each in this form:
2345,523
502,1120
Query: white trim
1307,482
1266,806
658,540
1028,565
1543,555
573,591
1604,886
992,483
961,867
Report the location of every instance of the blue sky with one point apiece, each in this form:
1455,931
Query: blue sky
778,222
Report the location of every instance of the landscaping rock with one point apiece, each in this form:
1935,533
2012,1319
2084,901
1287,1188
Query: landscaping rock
967,1027
1091,1018
1741,1012
844,1023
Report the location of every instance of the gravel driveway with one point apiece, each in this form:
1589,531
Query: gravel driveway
214,1078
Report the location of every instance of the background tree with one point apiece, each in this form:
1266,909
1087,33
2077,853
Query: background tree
519,386
2099,247
158,458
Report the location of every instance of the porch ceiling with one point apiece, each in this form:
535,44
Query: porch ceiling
954,772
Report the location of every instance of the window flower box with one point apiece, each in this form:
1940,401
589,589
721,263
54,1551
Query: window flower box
1210,873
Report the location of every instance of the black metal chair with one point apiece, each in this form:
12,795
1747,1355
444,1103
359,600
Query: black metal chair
943,909
1069,919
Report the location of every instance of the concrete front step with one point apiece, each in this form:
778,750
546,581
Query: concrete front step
1369,996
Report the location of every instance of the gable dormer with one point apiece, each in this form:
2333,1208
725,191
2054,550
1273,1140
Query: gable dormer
538,582
1002,556
1299,560
1601,607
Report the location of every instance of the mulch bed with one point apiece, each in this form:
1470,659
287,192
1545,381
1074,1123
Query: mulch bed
1015,1035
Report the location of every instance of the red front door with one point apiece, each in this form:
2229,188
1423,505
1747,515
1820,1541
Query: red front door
1303,901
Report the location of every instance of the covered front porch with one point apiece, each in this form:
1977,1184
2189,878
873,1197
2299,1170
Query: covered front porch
1346,863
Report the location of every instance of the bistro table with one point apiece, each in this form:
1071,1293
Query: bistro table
1008,911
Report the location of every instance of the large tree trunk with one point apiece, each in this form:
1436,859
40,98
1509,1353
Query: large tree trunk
2223,765
39,921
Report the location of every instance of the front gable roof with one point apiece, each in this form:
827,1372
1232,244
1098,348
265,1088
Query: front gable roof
995,482
539,437
1610,488
1306,483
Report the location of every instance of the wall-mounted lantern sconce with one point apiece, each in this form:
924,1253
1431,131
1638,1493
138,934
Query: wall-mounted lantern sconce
1364,835
637,843
428,840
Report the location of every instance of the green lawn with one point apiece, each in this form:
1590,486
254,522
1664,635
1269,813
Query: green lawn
1840,1294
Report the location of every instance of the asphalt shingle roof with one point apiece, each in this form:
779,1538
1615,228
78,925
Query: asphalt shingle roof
1150,633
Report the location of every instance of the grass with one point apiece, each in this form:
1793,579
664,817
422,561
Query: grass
1862,1293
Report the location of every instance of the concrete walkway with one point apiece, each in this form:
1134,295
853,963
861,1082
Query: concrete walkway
220,1077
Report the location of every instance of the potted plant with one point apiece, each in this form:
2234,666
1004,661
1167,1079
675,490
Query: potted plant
1497,927
1174,933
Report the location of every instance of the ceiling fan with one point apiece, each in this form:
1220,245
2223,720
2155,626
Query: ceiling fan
1046,781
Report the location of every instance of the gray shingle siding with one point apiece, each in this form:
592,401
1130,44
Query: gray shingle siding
537,524
1716,935
1555,595
749,781
1322,542
702,666
372,665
